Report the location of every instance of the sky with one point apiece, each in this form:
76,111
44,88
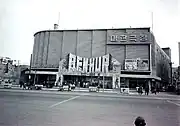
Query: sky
20,19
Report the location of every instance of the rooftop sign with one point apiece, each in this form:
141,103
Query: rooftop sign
115,36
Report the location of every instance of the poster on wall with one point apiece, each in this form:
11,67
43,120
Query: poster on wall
143,64
115,66
130,64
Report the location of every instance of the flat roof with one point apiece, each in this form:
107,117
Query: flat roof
148,28
166,48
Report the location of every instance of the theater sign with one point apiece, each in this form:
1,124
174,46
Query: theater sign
77,65
120,37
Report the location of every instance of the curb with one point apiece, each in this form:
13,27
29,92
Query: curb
100,92
89,94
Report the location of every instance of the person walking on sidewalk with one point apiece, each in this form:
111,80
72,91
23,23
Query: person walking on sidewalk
153,90
140,90
147,90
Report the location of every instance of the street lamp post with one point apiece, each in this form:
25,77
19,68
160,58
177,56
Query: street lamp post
35,77
171,80
103,77
103,82
30,69
91,78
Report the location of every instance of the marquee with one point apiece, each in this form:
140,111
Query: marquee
77,64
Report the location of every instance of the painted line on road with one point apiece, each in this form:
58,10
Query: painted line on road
63,101
173,103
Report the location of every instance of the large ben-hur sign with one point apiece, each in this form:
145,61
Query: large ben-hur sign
102,64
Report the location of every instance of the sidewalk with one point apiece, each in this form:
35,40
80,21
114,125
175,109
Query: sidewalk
82,90
105,91
116,91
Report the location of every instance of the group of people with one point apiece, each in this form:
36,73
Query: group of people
153,90
25,85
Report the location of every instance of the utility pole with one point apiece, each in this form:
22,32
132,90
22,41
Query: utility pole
19,71
152,21
58,18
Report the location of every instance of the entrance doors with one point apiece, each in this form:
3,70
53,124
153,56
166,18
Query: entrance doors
136,82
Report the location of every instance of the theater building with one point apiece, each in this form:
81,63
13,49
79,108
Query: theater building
115,57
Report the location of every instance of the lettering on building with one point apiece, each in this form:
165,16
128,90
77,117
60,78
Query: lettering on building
77,64
129,38
89,65
132,38
143,38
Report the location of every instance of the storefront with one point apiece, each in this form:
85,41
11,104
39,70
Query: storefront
86,81
133,81
45,78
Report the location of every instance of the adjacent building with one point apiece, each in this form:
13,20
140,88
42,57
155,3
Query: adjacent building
10,69
122,56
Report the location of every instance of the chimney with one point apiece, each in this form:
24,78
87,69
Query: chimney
55,26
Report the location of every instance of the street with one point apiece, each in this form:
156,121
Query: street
53,109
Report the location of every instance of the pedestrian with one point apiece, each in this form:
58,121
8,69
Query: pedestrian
152,89
24,85
155,90
98,87
69,87
147,90
21,84
158,89
140,121
140,90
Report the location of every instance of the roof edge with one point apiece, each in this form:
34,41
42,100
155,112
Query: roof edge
60,30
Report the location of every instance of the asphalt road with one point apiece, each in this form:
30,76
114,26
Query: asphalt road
47,109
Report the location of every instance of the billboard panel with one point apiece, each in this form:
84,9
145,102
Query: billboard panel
137,64
143,64
130,64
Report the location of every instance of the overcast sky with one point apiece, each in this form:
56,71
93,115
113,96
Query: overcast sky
20,19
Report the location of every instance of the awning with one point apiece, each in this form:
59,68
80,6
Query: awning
41,72
140,76
121,75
